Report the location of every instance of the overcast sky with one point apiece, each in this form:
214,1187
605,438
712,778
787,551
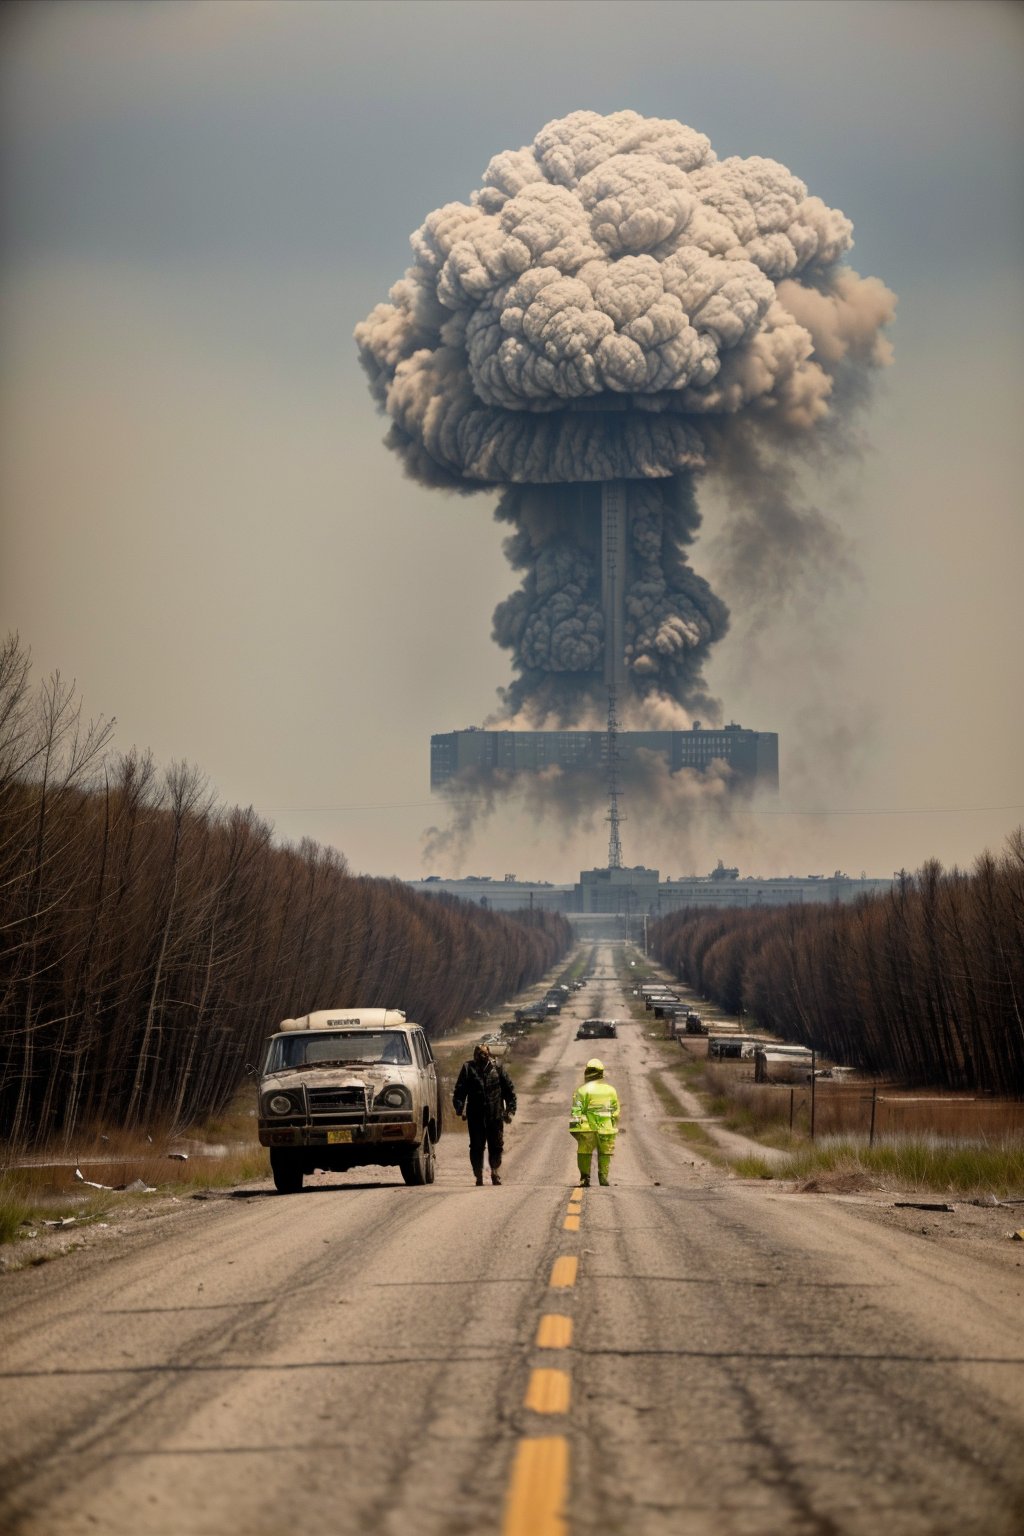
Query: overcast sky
201,525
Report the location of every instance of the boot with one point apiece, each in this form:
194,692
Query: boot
479,1175
495,1176
584,1181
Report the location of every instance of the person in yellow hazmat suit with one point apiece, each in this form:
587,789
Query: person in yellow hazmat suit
594,1121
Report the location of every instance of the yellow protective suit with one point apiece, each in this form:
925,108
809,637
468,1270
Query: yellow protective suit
593,1121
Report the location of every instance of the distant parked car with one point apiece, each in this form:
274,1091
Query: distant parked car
597,1029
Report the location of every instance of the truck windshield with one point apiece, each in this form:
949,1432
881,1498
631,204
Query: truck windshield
366,1046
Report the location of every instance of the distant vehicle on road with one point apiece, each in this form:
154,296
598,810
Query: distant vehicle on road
346,1087
597,1029
532,1013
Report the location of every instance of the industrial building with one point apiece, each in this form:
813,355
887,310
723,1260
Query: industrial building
618,897
616,890
751,756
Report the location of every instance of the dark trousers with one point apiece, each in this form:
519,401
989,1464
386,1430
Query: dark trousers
490,1133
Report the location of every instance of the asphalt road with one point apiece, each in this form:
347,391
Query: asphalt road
731,1360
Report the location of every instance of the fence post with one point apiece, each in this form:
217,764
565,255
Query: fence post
792,1093
874,1101
813,1081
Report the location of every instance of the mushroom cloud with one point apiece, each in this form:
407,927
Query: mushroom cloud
616,303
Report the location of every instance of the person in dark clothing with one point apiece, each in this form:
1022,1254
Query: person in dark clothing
484,1091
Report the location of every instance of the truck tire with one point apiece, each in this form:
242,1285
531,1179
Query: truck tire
287,1171
418,1166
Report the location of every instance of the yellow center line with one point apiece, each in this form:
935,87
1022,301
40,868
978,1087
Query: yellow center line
547,1391
554,1331
571,1223
563,1274
537,1488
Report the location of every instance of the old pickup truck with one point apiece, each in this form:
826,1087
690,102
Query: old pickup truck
345,1088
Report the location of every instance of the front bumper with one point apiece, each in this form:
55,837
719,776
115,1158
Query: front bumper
386,1128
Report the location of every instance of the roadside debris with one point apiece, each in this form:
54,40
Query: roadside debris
179,1157
1018,1236
922,1205
136,1187
80,1176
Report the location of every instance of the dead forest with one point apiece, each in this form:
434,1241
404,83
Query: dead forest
151,938
924,985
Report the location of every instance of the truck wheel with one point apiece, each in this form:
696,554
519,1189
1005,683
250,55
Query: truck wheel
287,1171
418,1166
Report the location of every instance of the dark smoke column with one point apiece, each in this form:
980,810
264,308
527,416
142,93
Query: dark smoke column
614,312
614,537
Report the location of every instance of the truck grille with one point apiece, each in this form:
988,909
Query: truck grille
328,1101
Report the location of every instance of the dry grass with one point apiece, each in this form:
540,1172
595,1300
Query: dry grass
44,1187
929,1163
689,1131
945,1142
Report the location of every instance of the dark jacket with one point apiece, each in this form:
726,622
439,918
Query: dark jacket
486,1092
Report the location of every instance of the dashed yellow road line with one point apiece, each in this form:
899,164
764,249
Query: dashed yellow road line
554,1331
563,1274
537,1490
571,1224
548,1391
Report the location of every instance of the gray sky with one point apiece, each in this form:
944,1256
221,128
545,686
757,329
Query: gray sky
201,525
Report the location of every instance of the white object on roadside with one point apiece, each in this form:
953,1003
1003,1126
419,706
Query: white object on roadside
80,1176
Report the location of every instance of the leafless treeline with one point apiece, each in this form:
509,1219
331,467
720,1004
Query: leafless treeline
925,984
151,939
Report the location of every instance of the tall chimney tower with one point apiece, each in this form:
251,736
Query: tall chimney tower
614,817
614,544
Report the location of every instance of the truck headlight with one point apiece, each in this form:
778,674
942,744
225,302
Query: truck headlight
280,1104
394,1096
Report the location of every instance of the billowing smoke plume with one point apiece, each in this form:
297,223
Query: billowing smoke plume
616,303
554,624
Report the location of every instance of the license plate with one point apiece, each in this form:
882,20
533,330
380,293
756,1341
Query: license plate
334,1137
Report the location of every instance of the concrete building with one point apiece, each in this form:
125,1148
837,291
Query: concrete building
623,891
752,756
604,898
724,888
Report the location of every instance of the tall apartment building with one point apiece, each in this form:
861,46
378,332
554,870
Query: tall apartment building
752,756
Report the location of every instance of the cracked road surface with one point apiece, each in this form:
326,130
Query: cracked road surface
364,1357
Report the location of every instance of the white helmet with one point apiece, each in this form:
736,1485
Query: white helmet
594,1068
